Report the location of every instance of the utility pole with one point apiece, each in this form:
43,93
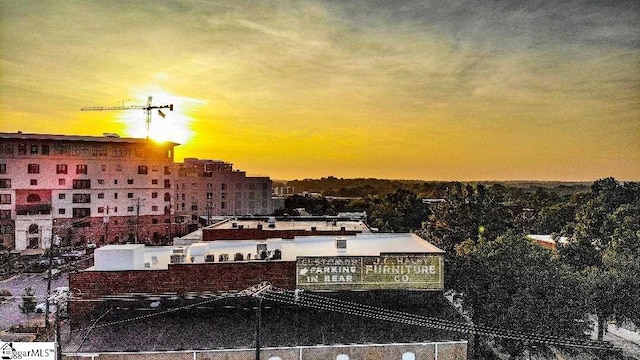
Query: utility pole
137,200
258,324
58,344
256,292
106,227
46,307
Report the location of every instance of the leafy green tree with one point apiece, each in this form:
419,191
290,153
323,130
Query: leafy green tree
604,245
28,304
400,211
515,284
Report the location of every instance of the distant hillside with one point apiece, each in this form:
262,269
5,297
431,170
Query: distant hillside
361,187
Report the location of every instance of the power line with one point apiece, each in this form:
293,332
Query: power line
314,301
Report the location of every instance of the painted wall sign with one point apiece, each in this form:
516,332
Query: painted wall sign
418,272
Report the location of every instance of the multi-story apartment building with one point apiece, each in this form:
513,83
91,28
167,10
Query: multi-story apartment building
83,188
206,188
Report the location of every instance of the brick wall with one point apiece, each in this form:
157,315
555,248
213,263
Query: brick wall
180,279
262,234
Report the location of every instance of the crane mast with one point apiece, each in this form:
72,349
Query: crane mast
147,108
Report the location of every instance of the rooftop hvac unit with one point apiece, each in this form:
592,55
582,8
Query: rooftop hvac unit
261,246
147,265
223,257
272,222
238,257
234,225
341,243
179,250
154,260
210,258
176,259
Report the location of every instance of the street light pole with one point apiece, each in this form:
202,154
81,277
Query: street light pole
258,324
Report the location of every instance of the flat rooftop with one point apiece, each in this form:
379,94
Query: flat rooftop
297,223
159,258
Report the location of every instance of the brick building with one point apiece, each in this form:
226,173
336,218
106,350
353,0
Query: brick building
83,188
207,188
110,189
400,271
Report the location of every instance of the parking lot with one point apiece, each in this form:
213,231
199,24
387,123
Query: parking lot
10,313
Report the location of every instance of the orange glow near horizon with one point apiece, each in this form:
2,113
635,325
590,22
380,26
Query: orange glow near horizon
306,89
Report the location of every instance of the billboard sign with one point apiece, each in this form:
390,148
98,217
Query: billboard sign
413,271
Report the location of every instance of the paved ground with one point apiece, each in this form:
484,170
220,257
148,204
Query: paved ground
9,310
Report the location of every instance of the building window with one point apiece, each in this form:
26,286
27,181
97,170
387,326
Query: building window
154,195
167,184
223,186
61,211
130,195
209,196
81,184
5,215
62,196
81,212
104,167
118,167
194,207
154,167
81,198
81,169
115,195
22,149
223,205
100,181
5,183
5,198
167,170
6,149
31,198
34,150
129,208
45,149
183,196
61,169
115,209
3,168
167,197
100,210
154,181
115,181
143,169
33,182
130,181
33,169
100,195
154,208
62,182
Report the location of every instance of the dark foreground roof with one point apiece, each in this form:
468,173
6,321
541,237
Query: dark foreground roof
232,323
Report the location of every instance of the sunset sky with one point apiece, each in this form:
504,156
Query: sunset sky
431,90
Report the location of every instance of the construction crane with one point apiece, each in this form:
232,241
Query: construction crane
146,108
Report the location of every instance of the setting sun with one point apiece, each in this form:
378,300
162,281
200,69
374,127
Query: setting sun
165,125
